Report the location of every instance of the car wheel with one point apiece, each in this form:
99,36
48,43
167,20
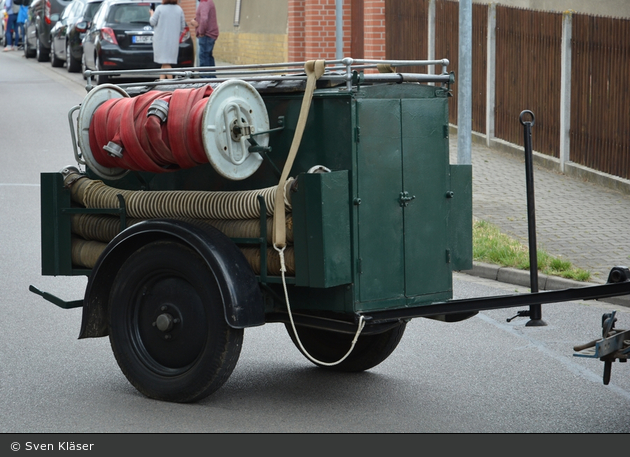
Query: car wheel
54,61
28,51
328,347
72,64
41,53
83,66
167,325
100,79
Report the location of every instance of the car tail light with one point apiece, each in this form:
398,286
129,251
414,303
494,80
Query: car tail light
107,34
81,27
185,35
47,13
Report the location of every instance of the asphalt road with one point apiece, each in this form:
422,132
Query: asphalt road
482,375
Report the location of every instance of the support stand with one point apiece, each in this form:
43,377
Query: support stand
535,311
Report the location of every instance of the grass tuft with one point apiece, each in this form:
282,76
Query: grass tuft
490,245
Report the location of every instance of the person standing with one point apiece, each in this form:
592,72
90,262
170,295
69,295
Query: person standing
12,12
21,19
207,31
169,24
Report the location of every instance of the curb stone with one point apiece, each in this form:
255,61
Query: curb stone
545,282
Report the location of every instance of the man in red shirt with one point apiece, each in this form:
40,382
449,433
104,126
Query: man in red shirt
207,28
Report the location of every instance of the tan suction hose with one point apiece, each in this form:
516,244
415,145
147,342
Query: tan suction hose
179,203
236,214
85,253
102,227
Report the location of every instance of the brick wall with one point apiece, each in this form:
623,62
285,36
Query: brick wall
189,9
374,29
312,29
296,31
311,34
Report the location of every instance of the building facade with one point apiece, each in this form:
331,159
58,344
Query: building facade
263,31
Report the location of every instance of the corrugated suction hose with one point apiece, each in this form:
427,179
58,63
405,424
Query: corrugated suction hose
237,214
102,227
85,253
179,203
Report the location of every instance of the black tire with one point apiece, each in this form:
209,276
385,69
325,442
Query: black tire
73,65
42,54
329,347
100,79
83,66
54,61
28,51
167,325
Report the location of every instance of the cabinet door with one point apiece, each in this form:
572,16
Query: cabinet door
379,215
425,165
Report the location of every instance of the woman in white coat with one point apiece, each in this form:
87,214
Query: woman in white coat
168,23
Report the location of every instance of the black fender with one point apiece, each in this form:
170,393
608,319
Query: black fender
242,297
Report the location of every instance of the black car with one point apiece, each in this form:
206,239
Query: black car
41,18
121,38
66,36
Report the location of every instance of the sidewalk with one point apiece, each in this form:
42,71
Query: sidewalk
583,222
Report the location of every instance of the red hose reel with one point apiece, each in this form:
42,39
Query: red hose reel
161,131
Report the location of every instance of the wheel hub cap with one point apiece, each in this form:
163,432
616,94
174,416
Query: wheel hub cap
164,322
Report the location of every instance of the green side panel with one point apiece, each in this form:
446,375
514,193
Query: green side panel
380,259
55,226
321,229
425,177
460,218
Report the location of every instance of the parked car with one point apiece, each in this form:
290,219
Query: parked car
121,38
41,18
3,25
66,37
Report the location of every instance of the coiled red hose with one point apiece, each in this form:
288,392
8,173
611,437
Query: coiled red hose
147,143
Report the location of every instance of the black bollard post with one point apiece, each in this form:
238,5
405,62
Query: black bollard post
535,311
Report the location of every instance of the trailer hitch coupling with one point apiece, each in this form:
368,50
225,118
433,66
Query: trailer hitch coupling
614,345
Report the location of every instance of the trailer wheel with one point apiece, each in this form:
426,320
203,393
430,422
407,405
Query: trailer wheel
328,347
167,326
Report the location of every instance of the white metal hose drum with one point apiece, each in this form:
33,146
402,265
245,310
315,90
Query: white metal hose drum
234,112
95,98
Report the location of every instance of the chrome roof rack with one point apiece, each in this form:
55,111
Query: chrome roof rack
346,71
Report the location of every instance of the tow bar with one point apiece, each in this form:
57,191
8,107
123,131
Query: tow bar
614,345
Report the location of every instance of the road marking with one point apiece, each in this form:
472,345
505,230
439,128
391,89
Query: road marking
571,366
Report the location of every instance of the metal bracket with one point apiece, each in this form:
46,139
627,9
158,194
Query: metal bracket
56,300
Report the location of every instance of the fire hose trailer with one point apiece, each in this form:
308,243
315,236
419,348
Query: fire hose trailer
318,195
